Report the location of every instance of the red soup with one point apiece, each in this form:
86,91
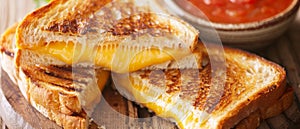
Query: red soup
239,11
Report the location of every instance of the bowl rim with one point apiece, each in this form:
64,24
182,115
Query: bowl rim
290,10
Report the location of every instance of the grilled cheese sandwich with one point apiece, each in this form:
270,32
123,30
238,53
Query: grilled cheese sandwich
55,65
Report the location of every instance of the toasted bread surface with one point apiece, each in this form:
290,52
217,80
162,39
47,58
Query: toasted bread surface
119,35
7,40
190,98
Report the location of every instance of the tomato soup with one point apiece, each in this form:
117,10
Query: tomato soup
239,11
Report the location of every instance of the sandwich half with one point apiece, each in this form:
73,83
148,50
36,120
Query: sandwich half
220,95
119,35
65,94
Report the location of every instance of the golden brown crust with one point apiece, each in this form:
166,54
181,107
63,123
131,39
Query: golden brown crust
282,104
254,119
250,122
265,95
71,24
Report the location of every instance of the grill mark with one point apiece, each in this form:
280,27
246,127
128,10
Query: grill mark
173,80
191,86
134,22
63,74
140,24
83,72
40,75
67,88
63,78
233,88
7,52
77,22
71,81
204,87
37,82
157,78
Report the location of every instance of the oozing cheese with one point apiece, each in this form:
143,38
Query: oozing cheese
117,59
169,106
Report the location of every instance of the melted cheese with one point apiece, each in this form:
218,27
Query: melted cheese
102,77
163,107
169,106
185,116
117,59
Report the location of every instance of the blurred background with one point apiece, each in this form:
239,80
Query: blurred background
12,11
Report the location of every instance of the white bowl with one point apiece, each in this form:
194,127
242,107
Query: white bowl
244,35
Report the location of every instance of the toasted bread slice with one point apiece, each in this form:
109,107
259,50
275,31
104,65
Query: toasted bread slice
118,35
204,99
254,119
64,94
7,47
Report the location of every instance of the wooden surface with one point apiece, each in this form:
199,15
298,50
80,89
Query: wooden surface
115,112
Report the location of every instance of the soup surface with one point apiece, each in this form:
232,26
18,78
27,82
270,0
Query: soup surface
237,11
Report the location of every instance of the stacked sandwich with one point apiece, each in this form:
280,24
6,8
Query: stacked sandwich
61,56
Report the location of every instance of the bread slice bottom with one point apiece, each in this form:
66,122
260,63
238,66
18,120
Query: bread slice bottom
254,119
